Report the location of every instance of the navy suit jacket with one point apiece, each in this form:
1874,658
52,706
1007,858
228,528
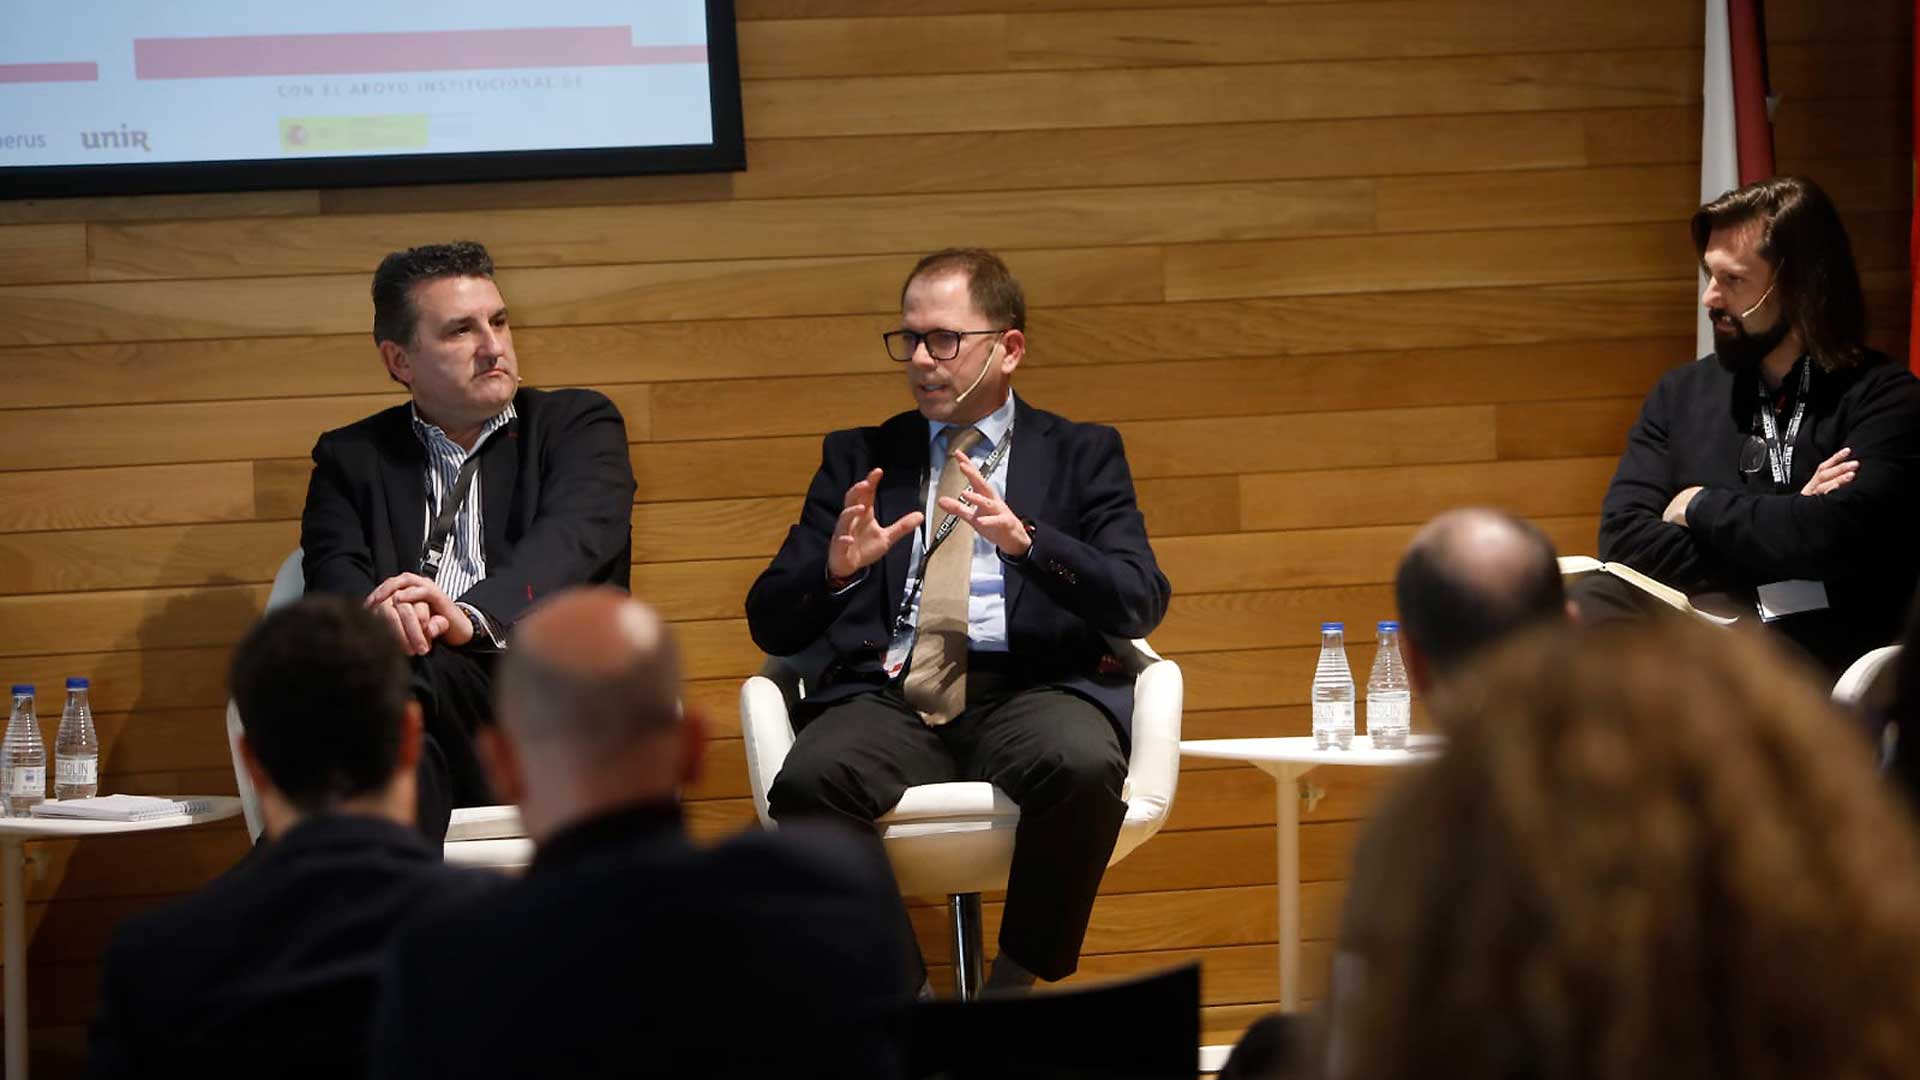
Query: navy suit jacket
272,968
556,489
1090,573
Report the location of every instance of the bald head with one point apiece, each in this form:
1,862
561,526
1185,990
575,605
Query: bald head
1471,577
592,671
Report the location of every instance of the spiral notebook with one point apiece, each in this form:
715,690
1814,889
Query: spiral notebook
122,808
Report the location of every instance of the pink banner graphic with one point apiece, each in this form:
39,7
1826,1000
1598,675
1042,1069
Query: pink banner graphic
43,73
390,53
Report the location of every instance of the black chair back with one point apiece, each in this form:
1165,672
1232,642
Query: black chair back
1147,1027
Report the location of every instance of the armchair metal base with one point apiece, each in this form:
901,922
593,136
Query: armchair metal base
963,911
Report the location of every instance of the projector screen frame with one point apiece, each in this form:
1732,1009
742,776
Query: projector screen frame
727,152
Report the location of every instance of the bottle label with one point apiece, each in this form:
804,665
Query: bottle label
1336,714
76,770
28,781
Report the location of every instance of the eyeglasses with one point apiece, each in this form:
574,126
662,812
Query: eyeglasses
941,344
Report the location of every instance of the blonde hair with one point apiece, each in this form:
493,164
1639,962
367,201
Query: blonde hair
1651,851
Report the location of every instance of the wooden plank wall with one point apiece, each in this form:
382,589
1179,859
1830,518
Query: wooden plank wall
1330,266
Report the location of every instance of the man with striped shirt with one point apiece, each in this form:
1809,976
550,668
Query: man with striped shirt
449,515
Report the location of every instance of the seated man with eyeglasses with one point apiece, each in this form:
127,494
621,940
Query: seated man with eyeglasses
1785,472
965,563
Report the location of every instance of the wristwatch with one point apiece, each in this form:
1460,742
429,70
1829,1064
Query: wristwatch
1033,531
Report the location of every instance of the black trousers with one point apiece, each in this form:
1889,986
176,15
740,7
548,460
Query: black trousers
455,691
1052,751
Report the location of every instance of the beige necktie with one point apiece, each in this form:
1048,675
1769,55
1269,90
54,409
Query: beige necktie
937,674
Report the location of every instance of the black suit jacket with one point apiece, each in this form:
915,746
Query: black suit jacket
627,950
1090,572
271,969
556,489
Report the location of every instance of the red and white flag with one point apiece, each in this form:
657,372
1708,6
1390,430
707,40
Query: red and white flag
1913,249
1736,130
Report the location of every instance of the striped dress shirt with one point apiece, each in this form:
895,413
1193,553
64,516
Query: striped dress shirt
465,562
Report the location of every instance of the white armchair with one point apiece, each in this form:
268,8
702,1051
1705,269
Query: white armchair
1867,685
956,839
1862,679
489,836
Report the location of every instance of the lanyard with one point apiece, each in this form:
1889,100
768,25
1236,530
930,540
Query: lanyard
1780,450
928,547
435,550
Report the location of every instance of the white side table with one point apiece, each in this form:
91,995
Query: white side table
14,833
1287,760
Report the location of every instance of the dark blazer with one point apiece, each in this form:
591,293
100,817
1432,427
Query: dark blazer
1090,572
271,969
556,487
1743,532
627,950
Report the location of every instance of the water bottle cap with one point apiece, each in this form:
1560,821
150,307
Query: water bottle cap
20,688
1326,626
77,683
1389,624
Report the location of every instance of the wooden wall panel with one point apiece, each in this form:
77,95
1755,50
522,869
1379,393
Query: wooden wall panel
1129,96
1330,266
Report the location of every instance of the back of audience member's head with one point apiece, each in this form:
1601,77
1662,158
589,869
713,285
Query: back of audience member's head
1648,851
323,691
589,703
1469,578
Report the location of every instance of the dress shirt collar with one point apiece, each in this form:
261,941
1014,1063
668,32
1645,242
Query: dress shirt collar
431,434
993,426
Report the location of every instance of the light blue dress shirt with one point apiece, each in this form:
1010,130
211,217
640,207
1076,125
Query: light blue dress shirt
987,598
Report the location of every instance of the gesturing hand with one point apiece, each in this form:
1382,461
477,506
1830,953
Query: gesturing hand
859,540
1834,473
986,512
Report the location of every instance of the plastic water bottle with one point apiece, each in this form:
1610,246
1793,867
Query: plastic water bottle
23,756
76,749
1389,694
1333,690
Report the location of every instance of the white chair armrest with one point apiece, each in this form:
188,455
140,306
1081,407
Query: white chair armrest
767,733
1862,674
504,853
1153,769
242,781
484,823
289,582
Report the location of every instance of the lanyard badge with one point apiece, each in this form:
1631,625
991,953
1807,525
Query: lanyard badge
1780,446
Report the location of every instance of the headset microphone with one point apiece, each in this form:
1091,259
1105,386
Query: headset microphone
982,375
1763,299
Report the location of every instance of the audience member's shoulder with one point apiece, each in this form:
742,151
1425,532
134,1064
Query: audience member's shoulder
822,855
445,893
170,925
